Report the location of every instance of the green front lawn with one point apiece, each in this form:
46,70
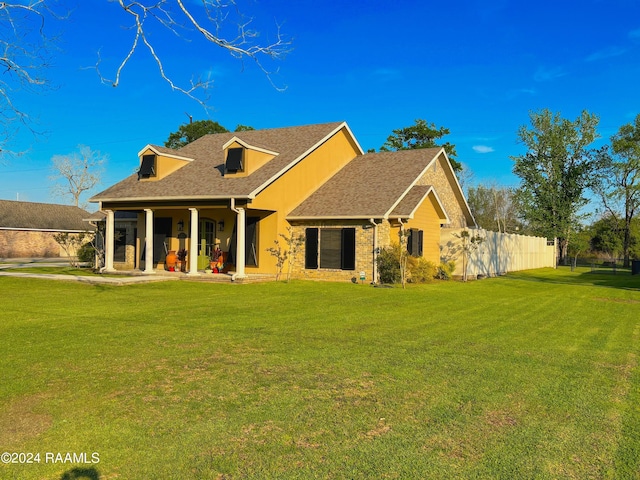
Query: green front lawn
533,375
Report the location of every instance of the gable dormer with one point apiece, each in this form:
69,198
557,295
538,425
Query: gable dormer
242,159
157,163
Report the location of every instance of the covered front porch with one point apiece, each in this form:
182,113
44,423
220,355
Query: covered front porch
163,232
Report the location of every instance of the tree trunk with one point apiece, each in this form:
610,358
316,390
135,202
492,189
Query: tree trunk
562,250
626,246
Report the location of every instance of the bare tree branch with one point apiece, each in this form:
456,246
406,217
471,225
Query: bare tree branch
25,50
26,46
182,20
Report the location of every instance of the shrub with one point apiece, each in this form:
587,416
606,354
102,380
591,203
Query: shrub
445,270
86,253
421,270
389,265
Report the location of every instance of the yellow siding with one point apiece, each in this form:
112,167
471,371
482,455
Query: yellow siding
253,160
164,165
293,187
426,219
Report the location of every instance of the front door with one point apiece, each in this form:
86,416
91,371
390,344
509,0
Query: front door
206,241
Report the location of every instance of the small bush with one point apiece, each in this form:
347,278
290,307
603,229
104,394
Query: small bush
421,270
389,265
86,253
445,270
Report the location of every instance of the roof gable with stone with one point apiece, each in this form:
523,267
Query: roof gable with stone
371,186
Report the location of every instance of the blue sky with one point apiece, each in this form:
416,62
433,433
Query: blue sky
476,67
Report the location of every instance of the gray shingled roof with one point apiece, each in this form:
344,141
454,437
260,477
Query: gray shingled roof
203,177
42,216
369,186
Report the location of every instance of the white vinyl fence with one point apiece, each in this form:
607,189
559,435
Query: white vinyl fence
498,254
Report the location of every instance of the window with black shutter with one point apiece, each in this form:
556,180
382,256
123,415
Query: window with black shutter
331,248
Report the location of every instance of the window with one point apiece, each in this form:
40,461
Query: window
235,160
206,237
415,242
120,245
333,248
147,167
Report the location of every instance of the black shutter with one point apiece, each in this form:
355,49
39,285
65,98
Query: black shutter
414,242
311,248
348,261
234,160
148,167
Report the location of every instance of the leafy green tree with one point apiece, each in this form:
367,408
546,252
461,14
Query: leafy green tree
555,172
619,185
421,135
605,236
580,244
189,132
243,128
494,208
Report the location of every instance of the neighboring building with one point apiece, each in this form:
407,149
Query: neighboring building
244,190
27,229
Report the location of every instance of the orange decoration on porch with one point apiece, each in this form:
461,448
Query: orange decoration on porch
170,261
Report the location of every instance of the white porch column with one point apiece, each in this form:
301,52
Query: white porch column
109,236
193,242
148,256
241,227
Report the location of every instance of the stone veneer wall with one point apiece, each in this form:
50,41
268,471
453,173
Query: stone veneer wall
130,246
364,250
28,244
437,177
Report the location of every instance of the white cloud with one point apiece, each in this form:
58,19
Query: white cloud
482,149
606,53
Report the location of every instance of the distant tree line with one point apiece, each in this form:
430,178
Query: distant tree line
561,174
